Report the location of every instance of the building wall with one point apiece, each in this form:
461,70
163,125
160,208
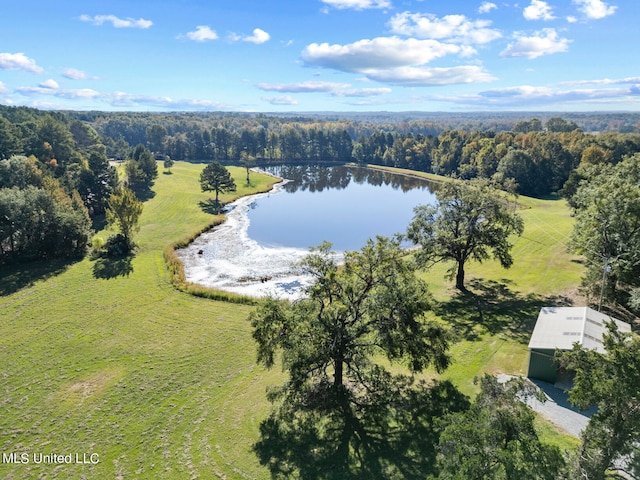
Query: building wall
542,366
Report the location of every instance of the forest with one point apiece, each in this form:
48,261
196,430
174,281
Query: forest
539,153
59,166
539,156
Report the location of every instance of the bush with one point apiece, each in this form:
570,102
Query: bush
97,243
117,246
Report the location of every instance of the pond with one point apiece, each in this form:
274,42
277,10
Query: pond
256,250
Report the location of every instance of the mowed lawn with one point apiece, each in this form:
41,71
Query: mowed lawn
110,359
158,383
493,324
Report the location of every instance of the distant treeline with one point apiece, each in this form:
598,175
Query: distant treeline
539,155
68,152
467,145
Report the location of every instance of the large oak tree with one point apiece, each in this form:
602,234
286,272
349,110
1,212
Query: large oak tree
335,344
371,305
470,220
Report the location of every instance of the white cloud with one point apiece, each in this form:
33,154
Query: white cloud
542,43
303,87
49,84
378,53
202,33
3,88
75,74
595,9
128,100
526,96
114,99
538,10
358,4
259,36
605,81
19,61
59,92
396,61
486,7
117,22
429,77
281,100
334,88
364,92
453,27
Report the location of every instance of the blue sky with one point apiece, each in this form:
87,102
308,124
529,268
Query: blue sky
321,55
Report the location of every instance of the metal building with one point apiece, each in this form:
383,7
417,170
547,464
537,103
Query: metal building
558,328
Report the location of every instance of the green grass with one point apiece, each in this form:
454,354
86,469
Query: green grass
157,382
113,359
493,325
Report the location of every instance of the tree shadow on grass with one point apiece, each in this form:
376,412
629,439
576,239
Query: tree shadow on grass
99,222
393,436
492,307
144,192
210,206
107,268
17,276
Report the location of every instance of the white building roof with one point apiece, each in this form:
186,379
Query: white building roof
561,327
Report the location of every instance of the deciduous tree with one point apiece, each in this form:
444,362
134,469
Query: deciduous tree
339,398
372,305
611,381
41,222
123,213
607,228
156,134
470,220
496,439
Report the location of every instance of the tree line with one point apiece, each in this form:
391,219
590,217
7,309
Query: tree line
539,156
606,199
56,181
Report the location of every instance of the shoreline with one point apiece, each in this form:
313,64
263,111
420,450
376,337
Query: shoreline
175,266
226,259
222,262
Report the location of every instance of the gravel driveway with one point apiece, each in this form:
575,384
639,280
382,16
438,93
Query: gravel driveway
557,408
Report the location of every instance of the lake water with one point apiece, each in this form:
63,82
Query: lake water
256,250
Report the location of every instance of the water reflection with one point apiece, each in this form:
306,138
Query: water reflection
315,178
256,250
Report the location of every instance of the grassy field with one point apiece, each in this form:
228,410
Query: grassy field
110,359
